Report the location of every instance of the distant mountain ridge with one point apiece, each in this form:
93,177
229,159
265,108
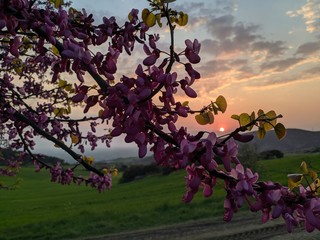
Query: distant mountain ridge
295,141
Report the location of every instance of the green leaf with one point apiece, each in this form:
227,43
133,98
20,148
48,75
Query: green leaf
158,18
57,3
214,108
186,103
313,174
294,180
244,119
221,103
18,70
211,117
235,117
55,51
62,83
280,130
260,112
252,117
74,138
201,119
151,20
58,112
304,168
144,14
270,124
261,133
183,19
88,160
205,118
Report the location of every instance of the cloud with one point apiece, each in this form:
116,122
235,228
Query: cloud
226,6
308,48
269,83
221,27
277,80
209,46
217,7
311,13
238,63
272,48
229,36
280,65
236,52
313,71
213,67
189,7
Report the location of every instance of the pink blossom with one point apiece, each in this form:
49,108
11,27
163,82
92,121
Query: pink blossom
192,50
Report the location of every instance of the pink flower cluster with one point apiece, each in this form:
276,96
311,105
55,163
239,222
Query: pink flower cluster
65,177
101,183
142,107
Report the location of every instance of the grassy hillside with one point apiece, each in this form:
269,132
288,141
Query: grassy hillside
43,210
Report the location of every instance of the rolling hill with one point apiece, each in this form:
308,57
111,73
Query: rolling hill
296,141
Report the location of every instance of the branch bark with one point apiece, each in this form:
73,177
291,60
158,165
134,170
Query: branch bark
43,133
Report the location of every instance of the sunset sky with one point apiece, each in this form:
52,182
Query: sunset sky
258,54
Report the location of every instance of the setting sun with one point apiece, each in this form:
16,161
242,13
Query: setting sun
221,129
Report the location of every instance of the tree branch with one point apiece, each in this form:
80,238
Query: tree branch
244,128
40,131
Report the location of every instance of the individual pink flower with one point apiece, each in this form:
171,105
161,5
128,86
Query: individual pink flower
312,214
192,51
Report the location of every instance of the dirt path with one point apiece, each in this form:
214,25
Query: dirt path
242,227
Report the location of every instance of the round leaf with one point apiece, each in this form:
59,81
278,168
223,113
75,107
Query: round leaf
260,112
261,133
183,19
235,117
201,119
221,103
74,138
313,174
158,18
205,118
211,117
151,20
304,168
270,124
244,119
280,130
144,14
294,180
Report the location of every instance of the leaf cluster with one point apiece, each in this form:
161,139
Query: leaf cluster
295,180
206,115
264,121
159,9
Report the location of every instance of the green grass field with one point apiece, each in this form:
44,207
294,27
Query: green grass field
39,209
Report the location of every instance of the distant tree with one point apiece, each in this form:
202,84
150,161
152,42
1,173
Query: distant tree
138,171
8,153
271,154
43,45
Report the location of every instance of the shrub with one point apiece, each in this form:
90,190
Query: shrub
137,171
271,154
